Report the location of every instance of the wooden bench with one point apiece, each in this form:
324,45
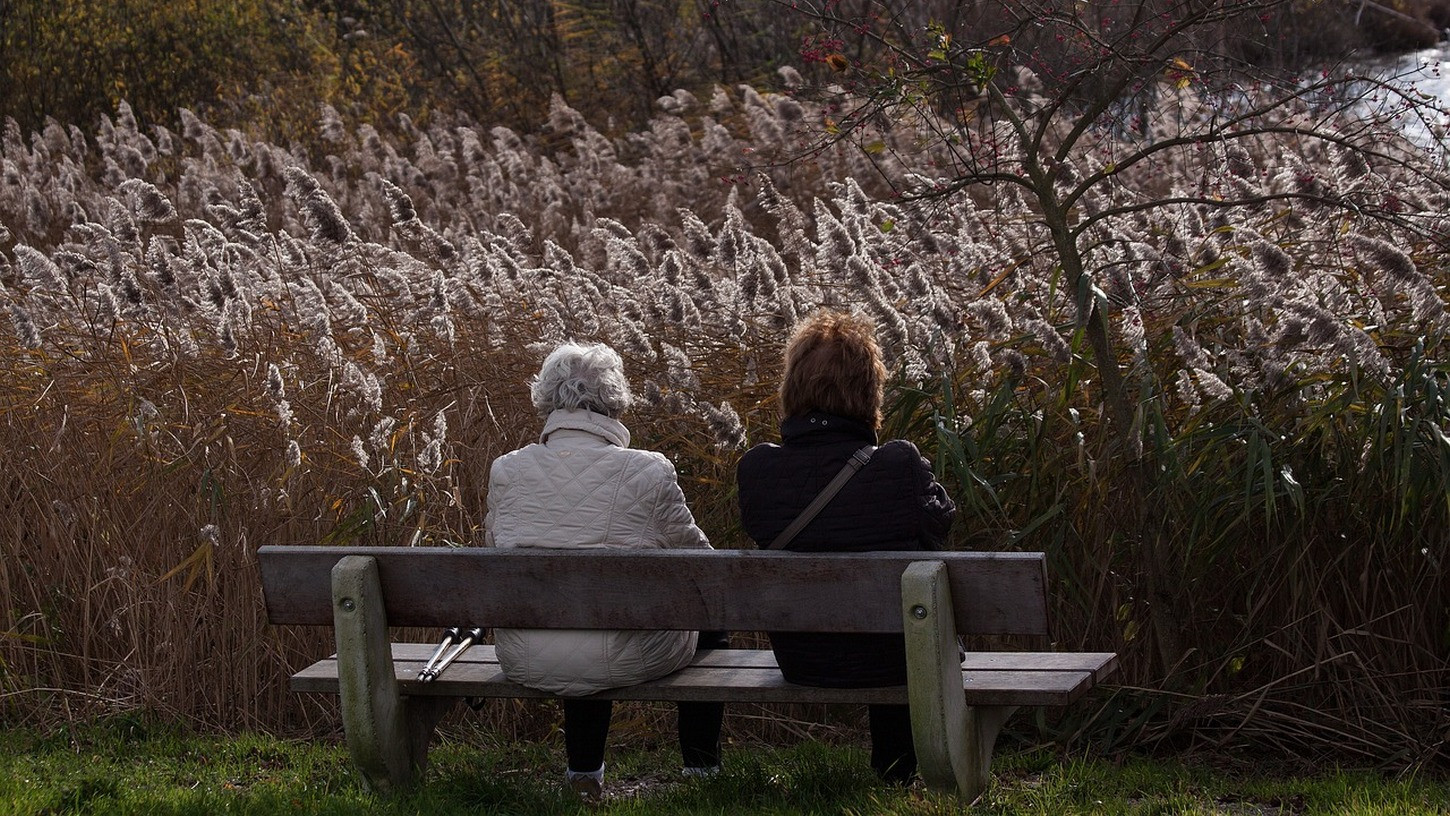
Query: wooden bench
957,708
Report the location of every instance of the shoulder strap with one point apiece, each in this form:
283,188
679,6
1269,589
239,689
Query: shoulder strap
855,463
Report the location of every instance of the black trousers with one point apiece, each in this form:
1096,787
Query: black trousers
893,754
586,730
586,726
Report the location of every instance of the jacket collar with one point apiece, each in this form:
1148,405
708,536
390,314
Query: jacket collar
820,428
607,428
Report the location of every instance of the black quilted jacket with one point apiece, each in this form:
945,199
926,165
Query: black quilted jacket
893,503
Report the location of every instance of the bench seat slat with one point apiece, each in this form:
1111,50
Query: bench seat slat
1100,664
750,675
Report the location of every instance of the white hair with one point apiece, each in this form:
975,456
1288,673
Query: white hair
577,377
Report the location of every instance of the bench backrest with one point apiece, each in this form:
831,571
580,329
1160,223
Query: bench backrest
741,590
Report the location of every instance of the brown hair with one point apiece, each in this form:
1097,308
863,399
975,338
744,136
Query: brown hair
833,364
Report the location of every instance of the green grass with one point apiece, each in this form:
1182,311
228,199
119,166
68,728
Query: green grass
130,766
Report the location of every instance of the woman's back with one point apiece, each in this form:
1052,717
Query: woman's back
892,503
582,486
579,487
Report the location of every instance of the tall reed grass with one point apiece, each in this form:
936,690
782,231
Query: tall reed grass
216,343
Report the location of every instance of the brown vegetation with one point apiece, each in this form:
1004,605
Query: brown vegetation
213,340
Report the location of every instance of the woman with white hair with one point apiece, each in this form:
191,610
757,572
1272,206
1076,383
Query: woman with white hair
582,486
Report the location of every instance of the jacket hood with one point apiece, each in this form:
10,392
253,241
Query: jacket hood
606,428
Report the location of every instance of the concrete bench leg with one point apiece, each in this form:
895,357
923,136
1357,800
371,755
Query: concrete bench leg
953,740
387,734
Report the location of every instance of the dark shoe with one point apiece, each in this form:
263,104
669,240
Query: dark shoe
589,789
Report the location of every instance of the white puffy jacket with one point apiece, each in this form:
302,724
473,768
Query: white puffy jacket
581,486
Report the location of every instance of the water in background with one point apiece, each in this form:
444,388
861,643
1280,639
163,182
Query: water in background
1428,73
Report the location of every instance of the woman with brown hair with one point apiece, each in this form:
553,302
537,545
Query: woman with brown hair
830,405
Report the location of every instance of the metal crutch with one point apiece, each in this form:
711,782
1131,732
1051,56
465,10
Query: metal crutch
470,637
451,635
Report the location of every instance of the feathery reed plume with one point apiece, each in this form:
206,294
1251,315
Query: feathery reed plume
1239,162
680,370
25,330
1386,258
1050,339
992,316
147,202
1212,386
438,303
400,204
37,267
330,124
319,211
725,425
1188,348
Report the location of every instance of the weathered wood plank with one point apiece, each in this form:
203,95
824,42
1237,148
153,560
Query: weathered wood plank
1099,664
747,590
417,654
736,675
